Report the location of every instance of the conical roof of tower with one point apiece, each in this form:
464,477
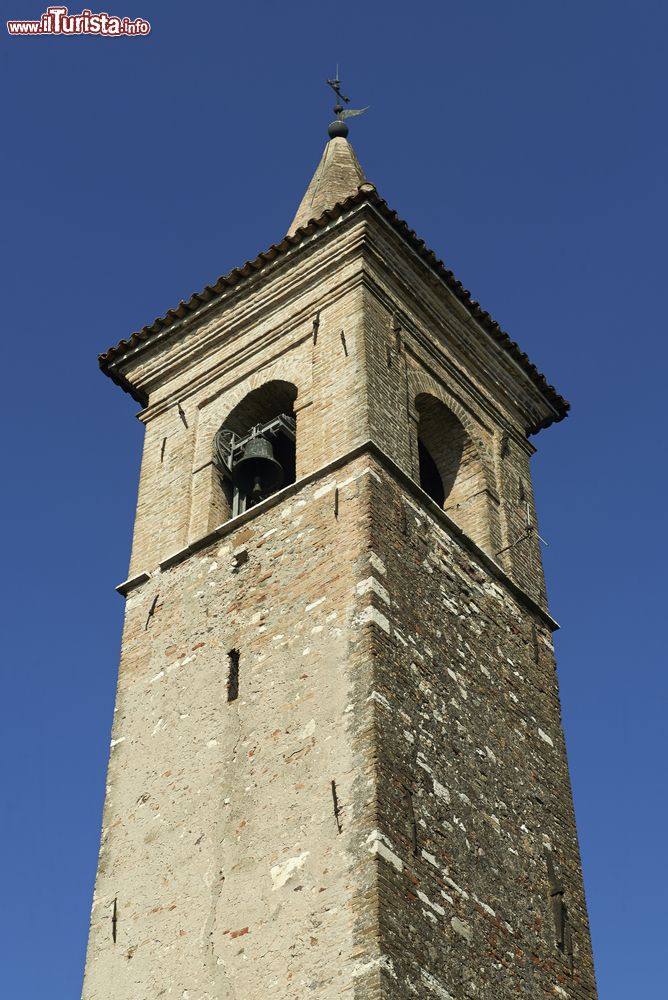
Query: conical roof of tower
337,177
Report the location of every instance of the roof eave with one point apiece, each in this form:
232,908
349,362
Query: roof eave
142,339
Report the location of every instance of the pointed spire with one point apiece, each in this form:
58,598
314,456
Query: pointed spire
338,176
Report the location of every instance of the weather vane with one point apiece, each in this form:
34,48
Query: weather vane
338,126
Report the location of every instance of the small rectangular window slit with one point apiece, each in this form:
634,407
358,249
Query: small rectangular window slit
151,611
182,414
337,810
233,675
536,647
396,329
414,829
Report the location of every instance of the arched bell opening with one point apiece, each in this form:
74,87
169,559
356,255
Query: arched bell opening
255,450
450,468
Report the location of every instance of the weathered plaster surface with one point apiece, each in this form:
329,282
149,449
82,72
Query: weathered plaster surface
376,652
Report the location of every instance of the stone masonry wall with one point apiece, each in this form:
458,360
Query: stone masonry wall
473,781
378,652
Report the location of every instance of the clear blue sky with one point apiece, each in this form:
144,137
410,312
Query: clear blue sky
526,143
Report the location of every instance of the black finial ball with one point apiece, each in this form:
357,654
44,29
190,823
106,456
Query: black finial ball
338,129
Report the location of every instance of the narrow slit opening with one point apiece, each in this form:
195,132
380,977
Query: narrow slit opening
233,675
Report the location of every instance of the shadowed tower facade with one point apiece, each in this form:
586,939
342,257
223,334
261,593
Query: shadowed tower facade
337,765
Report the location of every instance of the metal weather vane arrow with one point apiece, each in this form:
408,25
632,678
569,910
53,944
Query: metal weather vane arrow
351,112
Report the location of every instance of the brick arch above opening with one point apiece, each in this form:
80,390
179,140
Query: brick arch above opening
210,503
214,409
260,404
423,384
450,468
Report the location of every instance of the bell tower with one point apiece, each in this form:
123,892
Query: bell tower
337,766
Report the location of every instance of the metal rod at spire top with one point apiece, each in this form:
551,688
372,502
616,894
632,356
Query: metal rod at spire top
335,84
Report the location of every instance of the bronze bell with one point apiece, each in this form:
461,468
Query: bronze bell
257,473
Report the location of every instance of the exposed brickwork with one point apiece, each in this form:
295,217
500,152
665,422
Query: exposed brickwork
460,468
337,176
349,390
441,354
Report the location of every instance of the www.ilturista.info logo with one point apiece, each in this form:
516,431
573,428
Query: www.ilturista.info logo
58,21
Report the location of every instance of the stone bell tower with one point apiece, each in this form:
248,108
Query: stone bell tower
337,766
